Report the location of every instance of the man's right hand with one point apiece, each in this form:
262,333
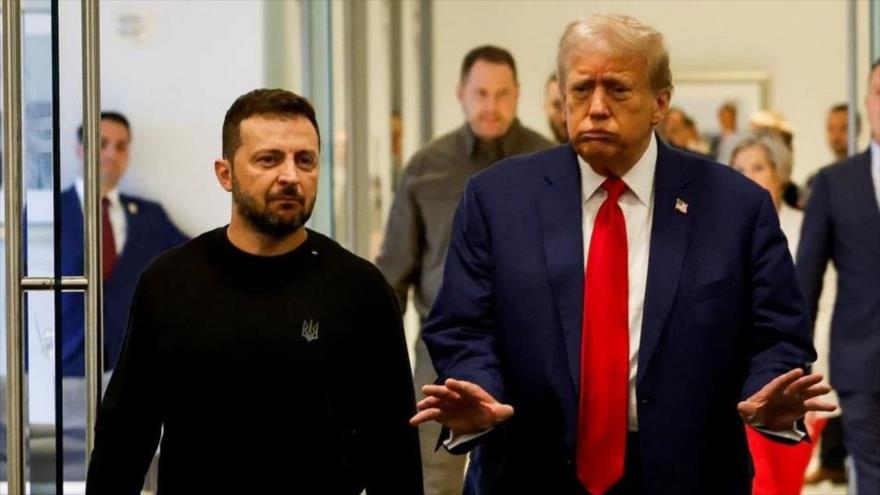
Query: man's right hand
461,406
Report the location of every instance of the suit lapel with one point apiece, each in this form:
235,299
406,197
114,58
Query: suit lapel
669,242
72,228
863,189
132,226
559,202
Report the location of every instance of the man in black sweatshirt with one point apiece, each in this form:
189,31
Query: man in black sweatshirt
266,357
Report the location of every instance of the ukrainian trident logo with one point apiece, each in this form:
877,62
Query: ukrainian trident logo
310,330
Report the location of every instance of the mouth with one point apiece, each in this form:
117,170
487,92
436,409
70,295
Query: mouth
287,200
596,135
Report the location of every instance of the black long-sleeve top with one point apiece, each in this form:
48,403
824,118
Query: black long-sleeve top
285,374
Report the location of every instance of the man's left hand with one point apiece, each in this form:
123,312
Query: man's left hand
785,400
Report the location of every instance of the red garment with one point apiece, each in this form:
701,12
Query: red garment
108,242
602,408
780,468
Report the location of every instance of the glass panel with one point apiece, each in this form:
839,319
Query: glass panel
42,426
39,307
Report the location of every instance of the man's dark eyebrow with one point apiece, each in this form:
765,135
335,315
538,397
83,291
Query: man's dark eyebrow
269,151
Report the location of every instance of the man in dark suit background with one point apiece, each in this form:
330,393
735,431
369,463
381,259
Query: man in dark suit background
135,230
612,311
842,225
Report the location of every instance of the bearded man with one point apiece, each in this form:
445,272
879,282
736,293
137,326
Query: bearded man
242,343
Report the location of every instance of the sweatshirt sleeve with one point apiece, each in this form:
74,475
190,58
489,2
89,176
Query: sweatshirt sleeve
129,423
393,464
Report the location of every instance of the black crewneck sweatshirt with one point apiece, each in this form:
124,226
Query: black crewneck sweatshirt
281,374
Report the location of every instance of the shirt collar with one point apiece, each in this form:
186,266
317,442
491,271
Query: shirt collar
112,195
508,140
639,179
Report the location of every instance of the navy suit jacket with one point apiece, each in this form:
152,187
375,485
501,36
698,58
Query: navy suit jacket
149,233
842,224
723,316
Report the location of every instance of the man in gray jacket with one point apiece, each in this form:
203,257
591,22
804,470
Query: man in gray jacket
420,222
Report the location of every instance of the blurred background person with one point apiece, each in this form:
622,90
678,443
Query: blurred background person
420,221
842,225
836,135
727,126
554,109
691,137
680,130
836,129
832,452
672,126
134,231
765,159
773,122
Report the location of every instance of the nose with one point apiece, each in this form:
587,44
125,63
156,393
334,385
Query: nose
599,105
491,103
108,153
288,172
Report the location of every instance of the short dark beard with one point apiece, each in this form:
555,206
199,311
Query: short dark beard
264,220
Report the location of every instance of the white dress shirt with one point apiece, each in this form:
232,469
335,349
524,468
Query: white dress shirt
790,220
114,210
637,203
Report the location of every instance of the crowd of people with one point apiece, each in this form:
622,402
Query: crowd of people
629,308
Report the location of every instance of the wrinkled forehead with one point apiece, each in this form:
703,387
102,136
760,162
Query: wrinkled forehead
284,131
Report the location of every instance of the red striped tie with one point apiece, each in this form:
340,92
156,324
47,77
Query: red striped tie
602,408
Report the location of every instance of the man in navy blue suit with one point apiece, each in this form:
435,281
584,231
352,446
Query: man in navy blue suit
613,310
135,231
842,225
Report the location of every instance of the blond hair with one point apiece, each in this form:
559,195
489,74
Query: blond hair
621,33
774,149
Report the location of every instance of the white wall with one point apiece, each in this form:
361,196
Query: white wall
174,82
801,44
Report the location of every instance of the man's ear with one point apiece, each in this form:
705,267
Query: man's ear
661,106
223,170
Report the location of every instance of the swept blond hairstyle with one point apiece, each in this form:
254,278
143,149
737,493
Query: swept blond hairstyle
622,34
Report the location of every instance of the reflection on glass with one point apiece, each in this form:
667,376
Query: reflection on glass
40,376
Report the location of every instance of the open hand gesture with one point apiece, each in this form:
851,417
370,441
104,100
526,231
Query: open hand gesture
785,400
461,406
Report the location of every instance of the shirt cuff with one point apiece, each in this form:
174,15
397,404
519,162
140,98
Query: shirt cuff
795,434
457,440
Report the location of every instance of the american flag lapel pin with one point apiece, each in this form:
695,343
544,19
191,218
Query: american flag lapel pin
681,206
132,208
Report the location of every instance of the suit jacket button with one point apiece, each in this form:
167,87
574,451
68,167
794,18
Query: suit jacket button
645,401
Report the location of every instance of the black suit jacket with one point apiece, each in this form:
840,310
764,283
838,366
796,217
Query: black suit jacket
842,225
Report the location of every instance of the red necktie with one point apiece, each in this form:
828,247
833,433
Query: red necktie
108,242
602,415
